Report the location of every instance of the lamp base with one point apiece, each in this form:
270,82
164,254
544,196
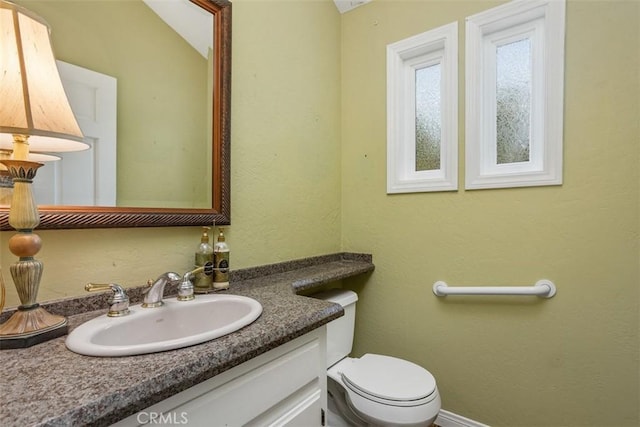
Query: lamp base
31,326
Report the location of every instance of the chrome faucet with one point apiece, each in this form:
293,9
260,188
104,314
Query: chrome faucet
153,295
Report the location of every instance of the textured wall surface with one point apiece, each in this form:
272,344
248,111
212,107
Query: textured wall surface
506,361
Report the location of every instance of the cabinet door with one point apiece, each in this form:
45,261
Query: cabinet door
285,386
308,412
302,409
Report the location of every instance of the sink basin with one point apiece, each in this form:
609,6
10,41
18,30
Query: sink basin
174,325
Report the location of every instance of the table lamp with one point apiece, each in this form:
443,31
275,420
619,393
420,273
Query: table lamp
35,116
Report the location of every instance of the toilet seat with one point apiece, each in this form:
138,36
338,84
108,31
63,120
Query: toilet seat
384,390
389,380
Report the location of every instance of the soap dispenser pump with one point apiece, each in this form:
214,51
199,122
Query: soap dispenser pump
203,283
221,263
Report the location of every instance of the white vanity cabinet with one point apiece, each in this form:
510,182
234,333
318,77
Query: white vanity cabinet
283,387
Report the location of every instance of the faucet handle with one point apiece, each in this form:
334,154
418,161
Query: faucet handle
185,289
118,302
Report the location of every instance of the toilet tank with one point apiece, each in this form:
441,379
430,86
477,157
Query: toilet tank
340,331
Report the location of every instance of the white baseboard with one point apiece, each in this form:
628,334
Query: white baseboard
449,419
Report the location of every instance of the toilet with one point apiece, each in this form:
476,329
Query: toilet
373,390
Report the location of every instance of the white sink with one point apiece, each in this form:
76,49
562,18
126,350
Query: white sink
176,324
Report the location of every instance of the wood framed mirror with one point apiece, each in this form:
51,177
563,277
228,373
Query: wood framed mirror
217,150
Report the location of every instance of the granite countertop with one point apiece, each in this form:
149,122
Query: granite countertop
49,385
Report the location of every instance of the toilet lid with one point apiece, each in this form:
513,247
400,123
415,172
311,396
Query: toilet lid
389,378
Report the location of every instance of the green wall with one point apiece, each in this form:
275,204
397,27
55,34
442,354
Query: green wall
568,361
309,178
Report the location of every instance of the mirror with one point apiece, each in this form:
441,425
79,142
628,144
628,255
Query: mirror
205,185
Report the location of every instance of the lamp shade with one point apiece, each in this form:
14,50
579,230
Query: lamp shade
33,102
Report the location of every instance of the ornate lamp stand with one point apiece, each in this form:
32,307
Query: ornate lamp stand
30,324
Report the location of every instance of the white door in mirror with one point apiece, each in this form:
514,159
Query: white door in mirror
85,178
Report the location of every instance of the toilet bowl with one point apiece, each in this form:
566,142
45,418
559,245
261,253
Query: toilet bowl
375,390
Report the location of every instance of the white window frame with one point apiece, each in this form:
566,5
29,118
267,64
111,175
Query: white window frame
543,23
437,46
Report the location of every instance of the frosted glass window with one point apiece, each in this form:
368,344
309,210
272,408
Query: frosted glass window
513,101
422,112
428,117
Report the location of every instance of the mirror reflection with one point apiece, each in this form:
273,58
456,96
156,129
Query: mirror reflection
139,75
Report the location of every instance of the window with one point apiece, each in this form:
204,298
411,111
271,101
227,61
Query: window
514,95
422,112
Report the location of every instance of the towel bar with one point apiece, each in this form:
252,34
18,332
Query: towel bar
542,288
